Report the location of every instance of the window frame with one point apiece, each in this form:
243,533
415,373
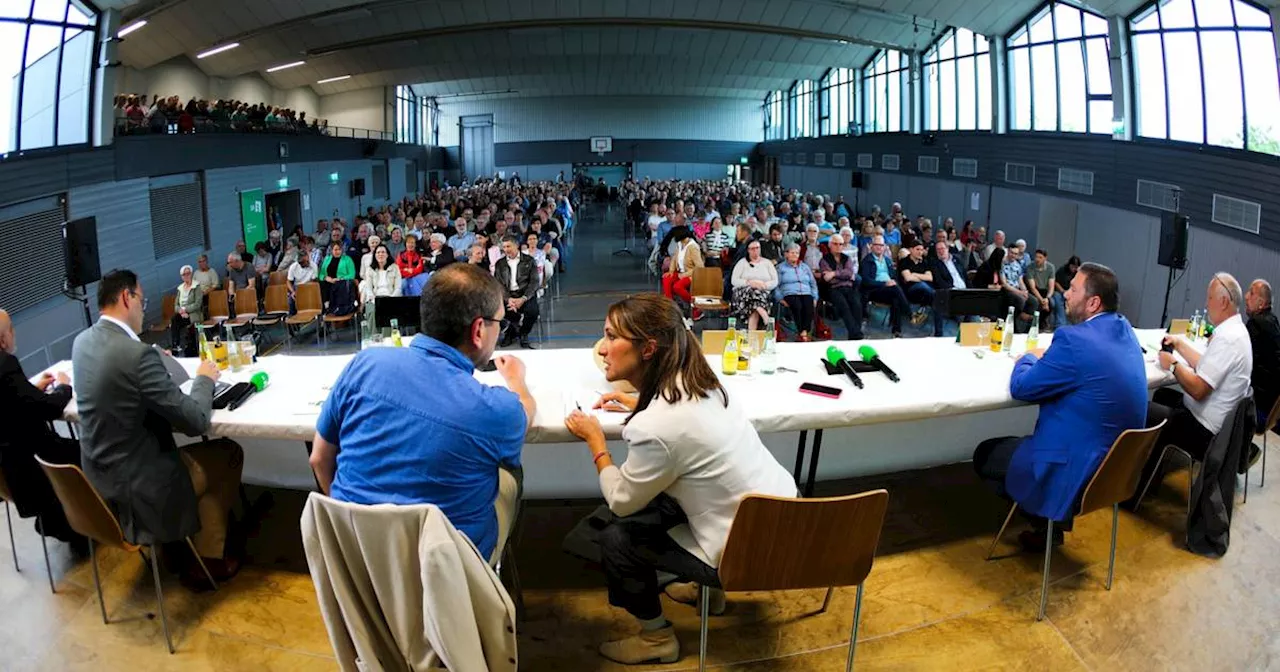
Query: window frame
868,76
27,23
953,61
1045,11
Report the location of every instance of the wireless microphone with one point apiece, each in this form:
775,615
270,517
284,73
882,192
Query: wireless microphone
835,356
869,356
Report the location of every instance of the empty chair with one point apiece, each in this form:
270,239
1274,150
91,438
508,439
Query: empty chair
89,515
309,307
219,311
277,307
167,312
246,309
707,289
781,543
1115,481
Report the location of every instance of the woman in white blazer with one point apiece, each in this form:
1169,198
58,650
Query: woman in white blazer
692,456
382,278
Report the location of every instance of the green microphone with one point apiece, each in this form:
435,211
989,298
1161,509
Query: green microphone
869,355
836,358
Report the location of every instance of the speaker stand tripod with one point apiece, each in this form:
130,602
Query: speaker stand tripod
628,233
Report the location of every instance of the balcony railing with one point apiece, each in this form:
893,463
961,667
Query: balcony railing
125,127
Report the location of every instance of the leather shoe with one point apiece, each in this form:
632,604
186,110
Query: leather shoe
1033,540
660,645
524,343
688,593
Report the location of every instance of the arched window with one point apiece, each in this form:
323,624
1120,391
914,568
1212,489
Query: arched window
835,102
1188,79
46,66
1059,72
885,79
957,82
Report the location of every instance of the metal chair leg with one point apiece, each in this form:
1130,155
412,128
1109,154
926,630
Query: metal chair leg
508,561
827,600
12,546
44,545
1262,482
853,636
1115,526
1246,485
705,601
200,560
164,620
1154,473
1044,582
97,582
992,548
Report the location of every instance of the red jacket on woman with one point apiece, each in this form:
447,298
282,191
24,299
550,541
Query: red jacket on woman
410,263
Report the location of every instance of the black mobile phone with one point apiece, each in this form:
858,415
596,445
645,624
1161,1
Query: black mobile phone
1166,346
821,390
488,366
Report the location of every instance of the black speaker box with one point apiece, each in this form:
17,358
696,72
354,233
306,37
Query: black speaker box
357,187
80,251
1173,240
859,180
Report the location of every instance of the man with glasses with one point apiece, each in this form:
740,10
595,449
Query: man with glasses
413,425
878,272
838,273
129,410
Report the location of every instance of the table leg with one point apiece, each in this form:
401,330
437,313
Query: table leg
313,473
800,446
813,463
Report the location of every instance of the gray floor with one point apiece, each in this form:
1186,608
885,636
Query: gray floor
573,315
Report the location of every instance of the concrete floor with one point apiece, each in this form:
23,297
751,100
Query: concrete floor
932,601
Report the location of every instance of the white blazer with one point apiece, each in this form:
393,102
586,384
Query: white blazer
705,456
401,589
380,283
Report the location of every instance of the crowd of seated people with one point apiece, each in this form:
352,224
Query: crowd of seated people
886,259
514,230
170,115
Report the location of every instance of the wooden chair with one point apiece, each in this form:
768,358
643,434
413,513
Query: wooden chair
1193,462
1272,419
89,515
276,303
277,278
713,341
219,311
335,321
782,543
708,285
1178,326
309,307
7,495
1115,481
167,311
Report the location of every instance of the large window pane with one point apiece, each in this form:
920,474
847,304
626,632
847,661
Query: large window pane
966,94
1099,65
10,68
1042,28
1248,16
1148,57
1177,14
1101,113
1262,93
1225,110
1020,88
1071,86
73,87
1066,21
947,99
39,87
895,103
984,91
1213,14
1186,99
15,9
49,10
1044,89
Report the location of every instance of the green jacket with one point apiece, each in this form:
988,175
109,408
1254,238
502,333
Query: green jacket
346,268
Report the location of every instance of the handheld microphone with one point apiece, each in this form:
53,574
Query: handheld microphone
869,356
835,356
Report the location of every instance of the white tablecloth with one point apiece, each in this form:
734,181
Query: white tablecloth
938,379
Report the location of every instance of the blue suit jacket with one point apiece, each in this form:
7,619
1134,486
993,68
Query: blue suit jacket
1091,386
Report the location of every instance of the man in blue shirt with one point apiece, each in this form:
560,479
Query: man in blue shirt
1091,385
879,286
413,425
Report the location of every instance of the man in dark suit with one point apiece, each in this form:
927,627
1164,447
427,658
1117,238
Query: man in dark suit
29,409
1264,335
129,409
518,275
1091,385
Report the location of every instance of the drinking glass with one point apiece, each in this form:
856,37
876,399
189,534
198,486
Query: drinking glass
984,333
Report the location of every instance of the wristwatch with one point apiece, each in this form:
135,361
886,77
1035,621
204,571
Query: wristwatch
1173,365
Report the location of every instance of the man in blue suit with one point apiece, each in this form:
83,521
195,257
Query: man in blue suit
1091,385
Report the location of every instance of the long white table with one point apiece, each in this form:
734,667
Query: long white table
884,427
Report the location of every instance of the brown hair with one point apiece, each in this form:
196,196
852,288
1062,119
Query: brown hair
678,369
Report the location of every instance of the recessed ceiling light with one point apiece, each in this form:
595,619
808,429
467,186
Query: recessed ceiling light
218,50
286,66
131,27
334,79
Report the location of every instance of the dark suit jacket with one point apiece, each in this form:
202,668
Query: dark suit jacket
26,433
526,277
129,409
445,258
1264,334
942,277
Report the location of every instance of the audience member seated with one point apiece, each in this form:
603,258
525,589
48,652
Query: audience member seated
382,279
839,272
262,266
772,248
997,242
287,256
1264,336
239,276
1013,279
1040,276
677,281
438,254
395,242
443,436
204,276
692,456
28,433
754,279
129,411
366,259
540,251
946,274
300,272
461,239
478,256
517,273
1091,385
243,253
170,115
1061,281
988,275
797,291
1212,382
916,273
188,311
878,284
337,270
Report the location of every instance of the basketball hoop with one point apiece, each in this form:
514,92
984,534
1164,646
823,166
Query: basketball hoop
601,145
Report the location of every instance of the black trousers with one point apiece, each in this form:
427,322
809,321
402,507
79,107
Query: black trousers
895,299
991,460
801,307
633,549
522,320
1183,429
848,305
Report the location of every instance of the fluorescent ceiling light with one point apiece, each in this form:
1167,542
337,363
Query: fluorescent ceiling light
286,66
131,27
334,79
218,50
